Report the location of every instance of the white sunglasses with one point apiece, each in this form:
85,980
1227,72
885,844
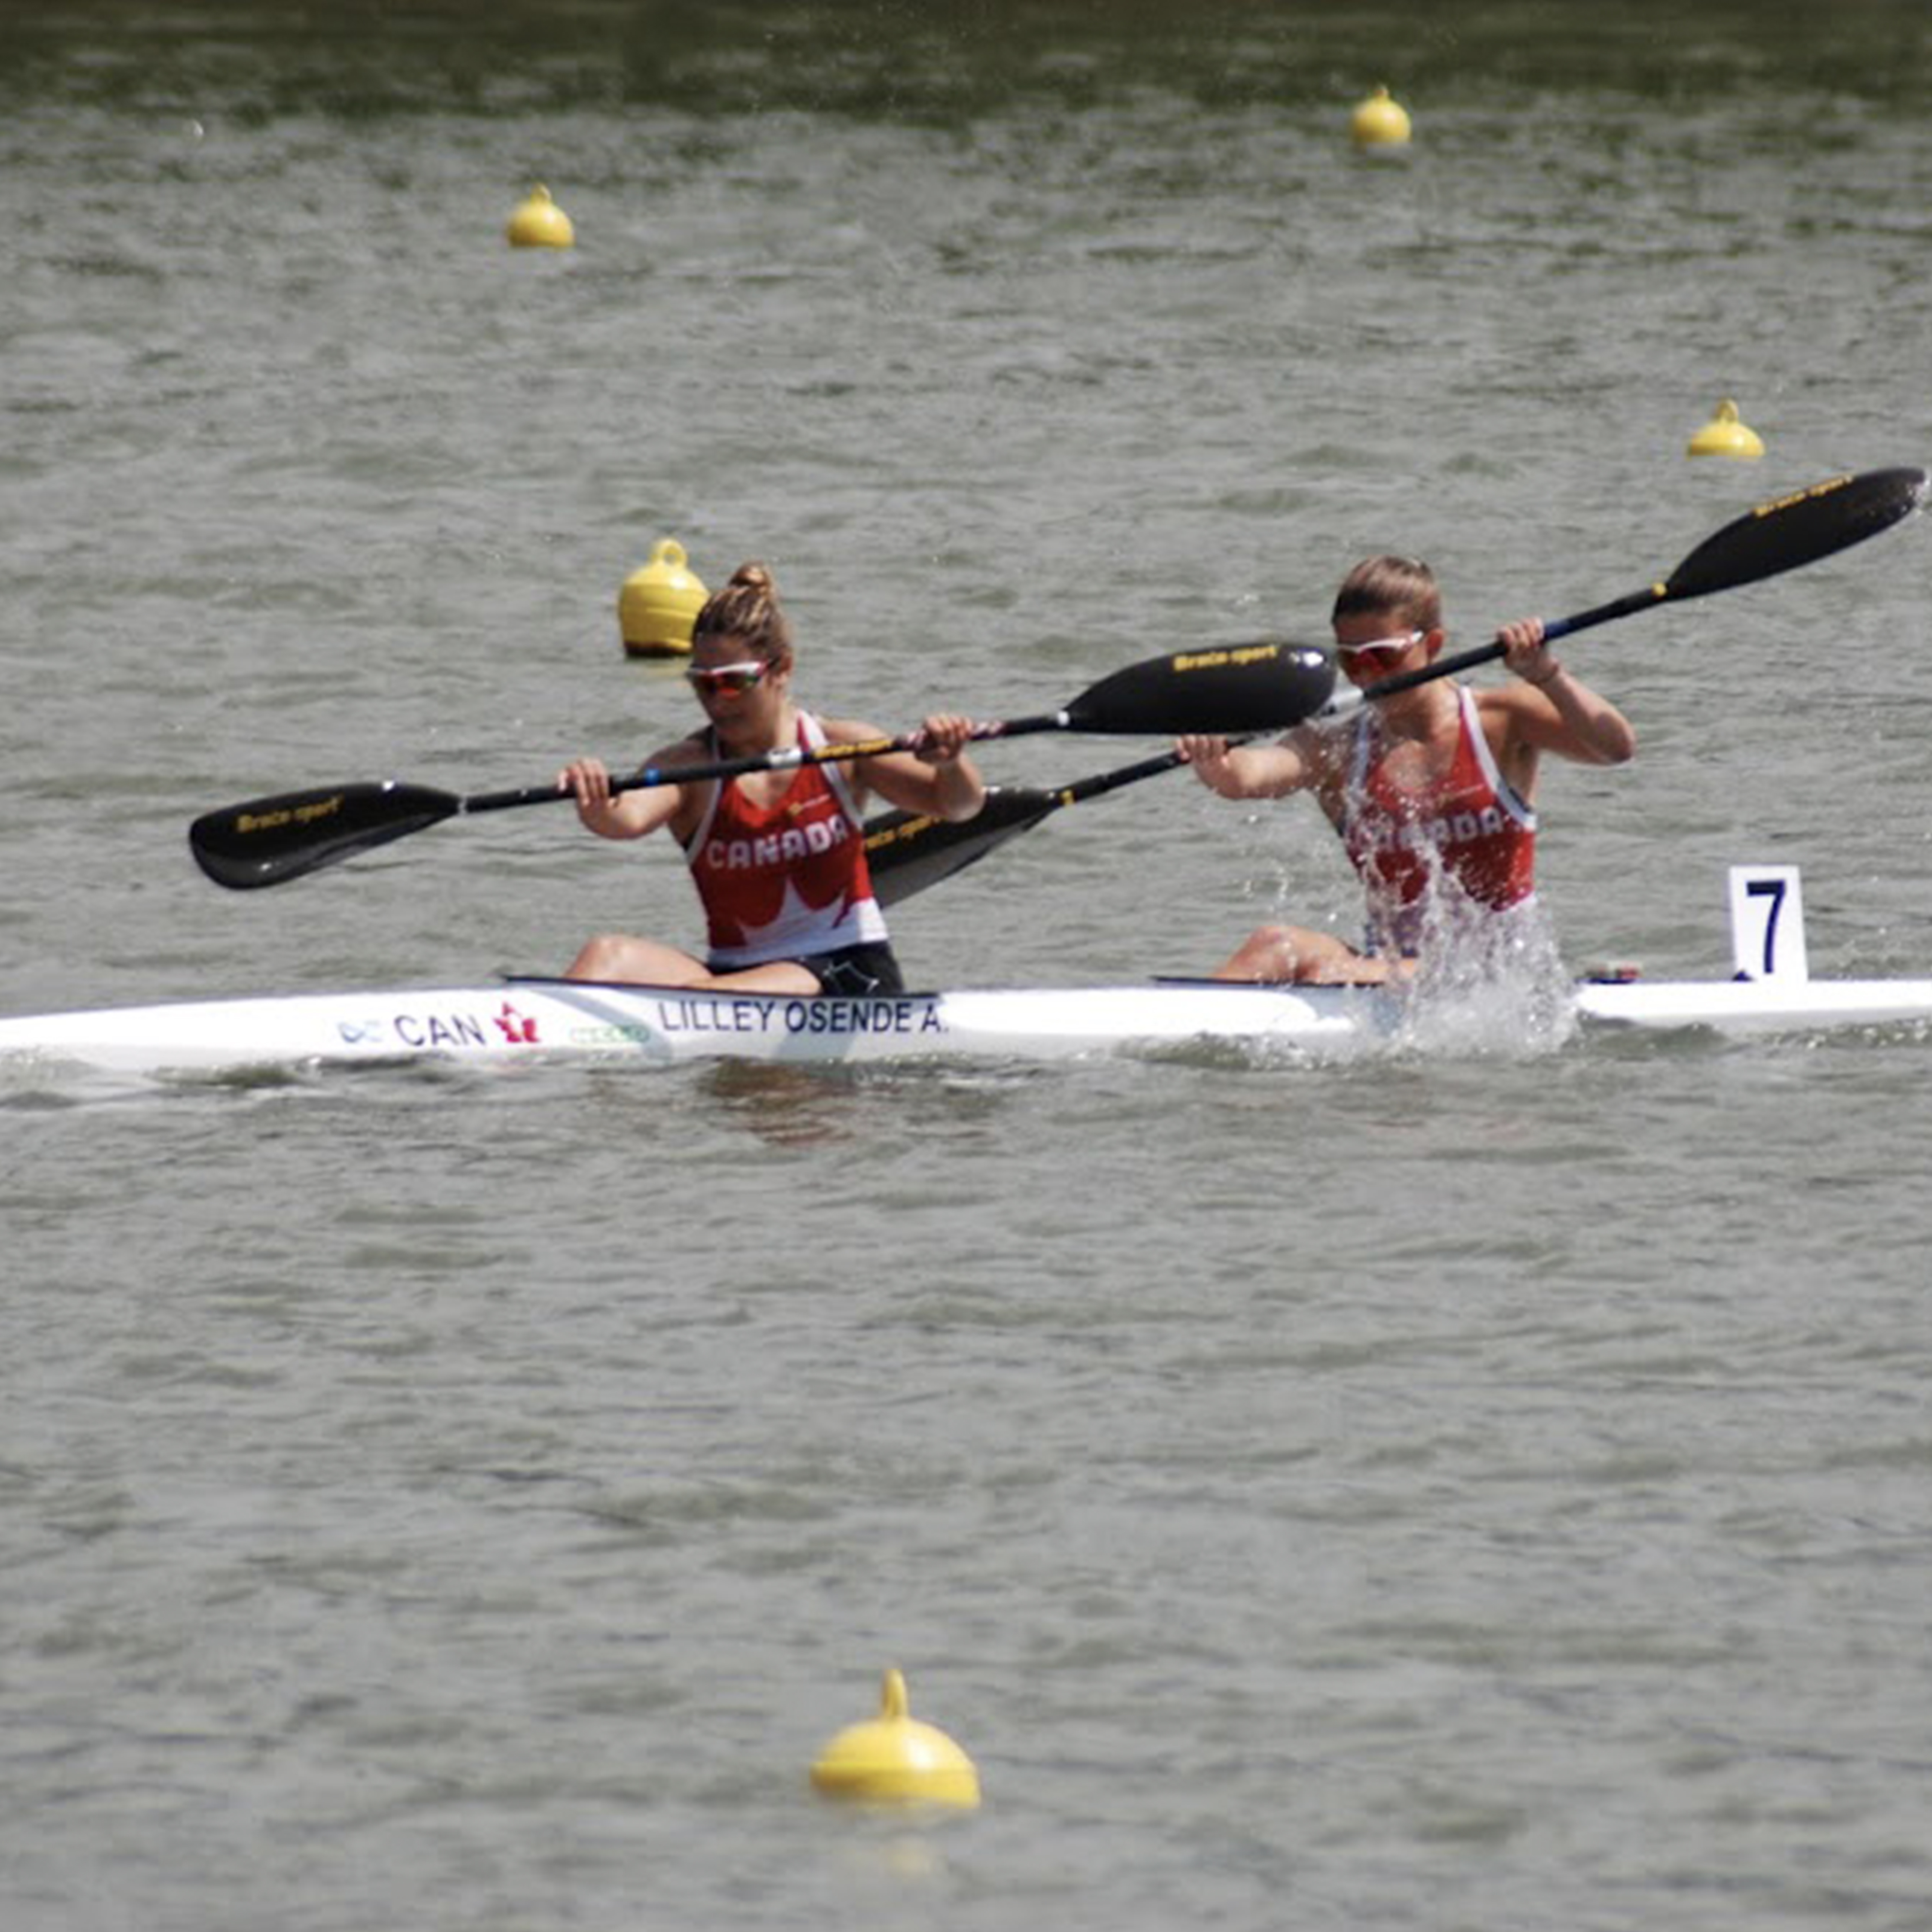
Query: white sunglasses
1401,644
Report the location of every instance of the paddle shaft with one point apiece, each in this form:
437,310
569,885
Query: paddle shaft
1239,688
1771,539
1480,654
786,758
1234,687
265,842
1766,541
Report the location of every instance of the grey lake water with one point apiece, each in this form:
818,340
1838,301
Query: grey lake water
1489,1485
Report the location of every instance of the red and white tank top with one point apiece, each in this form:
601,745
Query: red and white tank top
1470,826
790,880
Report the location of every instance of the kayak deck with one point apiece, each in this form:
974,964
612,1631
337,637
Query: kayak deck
527,1019
537,1018
540,1019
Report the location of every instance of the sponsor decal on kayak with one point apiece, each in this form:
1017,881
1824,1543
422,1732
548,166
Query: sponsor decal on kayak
433,1031
456,1030
905,1015
893,1015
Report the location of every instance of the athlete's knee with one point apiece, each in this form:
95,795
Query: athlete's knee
1268,953
598,958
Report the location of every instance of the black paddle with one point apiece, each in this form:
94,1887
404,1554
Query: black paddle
906,851
265,842
909,852
1775,537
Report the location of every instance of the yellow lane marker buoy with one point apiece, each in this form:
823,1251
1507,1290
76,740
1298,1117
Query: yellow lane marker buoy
1379,122
537,222
894,1759
1725,435
658,604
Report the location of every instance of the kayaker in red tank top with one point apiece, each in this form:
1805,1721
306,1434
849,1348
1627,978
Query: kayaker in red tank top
787,878
1468,826
1428,767
775,854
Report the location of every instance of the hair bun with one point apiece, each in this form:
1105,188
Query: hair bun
747,608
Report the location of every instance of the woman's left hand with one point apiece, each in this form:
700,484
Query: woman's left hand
1526,653
943,737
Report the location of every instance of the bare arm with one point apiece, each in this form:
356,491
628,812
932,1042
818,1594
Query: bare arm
1294,763
939,779
631,814
1551,710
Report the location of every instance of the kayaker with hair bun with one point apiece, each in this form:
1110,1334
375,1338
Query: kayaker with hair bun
778,856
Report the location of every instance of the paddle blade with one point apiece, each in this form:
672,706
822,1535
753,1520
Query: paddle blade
265,842
1239,687
906,851
1798,529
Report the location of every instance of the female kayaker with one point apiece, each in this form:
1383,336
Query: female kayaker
778,856
1433,789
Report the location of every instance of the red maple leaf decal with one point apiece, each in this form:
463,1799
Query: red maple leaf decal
519,1029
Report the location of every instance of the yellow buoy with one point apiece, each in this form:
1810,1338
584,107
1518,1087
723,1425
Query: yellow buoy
1379,122
894,1759
538,222
659,603
1725,435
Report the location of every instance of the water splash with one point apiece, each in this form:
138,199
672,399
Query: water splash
1487,982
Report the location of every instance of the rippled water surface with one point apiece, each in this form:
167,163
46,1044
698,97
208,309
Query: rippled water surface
1484,1487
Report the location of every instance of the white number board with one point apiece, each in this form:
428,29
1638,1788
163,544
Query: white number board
1767,923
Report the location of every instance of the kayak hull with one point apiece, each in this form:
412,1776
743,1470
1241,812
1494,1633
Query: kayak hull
536,1019
533,1019
1770,991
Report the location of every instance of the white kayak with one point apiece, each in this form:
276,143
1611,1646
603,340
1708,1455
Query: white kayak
527,1019
535,1019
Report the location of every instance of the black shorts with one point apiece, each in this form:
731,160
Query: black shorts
853,972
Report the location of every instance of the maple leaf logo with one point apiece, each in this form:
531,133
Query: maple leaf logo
519,1029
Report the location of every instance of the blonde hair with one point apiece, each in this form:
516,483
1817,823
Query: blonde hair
1402,587
747,609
